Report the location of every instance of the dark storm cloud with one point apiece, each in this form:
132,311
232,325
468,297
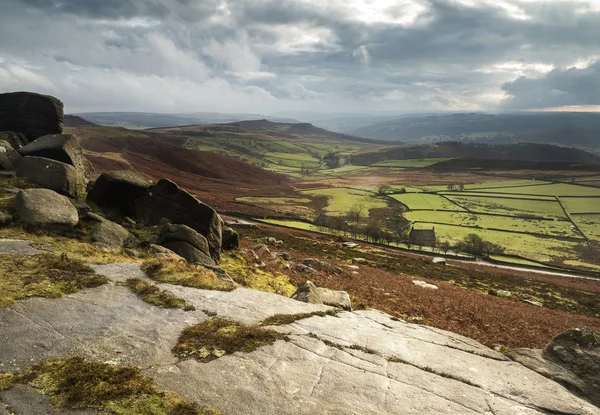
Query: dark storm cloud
558,88
403,54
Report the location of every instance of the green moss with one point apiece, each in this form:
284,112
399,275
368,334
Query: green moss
248,276
78,384
172,271
280,319
155,296
7,381
50,276
216,337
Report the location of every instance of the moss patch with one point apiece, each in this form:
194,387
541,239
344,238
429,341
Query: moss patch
280,319
50,276
155,296
263,280
173,271
7,381
78,384
216,337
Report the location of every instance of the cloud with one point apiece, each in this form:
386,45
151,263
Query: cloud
558,88
362,54
273,55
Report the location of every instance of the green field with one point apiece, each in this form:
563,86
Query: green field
502,184
293,160
425,201
342,199
552,190
409,163
575,205
589,225
506,224
533,247
510,206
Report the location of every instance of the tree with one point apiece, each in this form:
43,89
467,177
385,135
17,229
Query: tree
461,187
474,245
445,246
400,226
383,190
451,187
356,212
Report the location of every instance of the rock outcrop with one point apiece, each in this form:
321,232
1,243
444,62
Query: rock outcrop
60,147
167,200
231,239
362,362
113,235
9,157
52,174
571,359
119,190
16,140
44,208
185,242
310,293
31,114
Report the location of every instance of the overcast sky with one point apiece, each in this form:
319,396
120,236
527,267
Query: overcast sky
269,56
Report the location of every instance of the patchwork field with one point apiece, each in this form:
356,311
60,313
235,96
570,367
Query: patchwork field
500,223
417,201
545,208
341,200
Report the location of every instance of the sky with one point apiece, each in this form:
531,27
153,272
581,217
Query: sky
273,56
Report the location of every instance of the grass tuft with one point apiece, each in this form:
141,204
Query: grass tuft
216,337
267,279
155,296
50,276
173,271
281,319
78,384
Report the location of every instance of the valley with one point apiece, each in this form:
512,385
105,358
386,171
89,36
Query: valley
537,210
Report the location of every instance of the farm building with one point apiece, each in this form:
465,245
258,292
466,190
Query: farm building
424,237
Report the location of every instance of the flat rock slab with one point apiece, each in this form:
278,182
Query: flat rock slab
25,400
360,362
19,247
121,271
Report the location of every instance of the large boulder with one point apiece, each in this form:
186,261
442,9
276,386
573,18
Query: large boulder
9,157
230,239
310,293
113,235
167,200
53,174
181,233
119,190
31,114
16,140
45,208
59,147
190,253
571,359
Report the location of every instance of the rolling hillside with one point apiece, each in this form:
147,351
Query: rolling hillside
209,175
569,129
523,151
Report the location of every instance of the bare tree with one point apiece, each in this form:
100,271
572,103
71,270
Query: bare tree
356,212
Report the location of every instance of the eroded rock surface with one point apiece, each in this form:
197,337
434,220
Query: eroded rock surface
119,190
360,362
32,206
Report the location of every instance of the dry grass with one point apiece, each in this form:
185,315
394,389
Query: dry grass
489,319
78,384
50,276
281,319
216,337
155,296
174,271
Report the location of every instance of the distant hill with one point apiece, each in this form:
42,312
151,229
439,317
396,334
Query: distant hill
530,152
478,164
143,120
265,127
75,121
568,129
209,175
